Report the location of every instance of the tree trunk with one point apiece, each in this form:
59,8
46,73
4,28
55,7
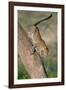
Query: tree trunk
32,62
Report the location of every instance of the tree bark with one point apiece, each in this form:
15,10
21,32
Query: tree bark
32,62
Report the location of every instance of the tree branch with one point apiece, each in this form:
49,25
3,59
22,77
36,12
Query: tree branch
32,62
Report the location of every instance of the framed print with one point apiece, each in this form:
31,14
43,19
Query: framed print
36,44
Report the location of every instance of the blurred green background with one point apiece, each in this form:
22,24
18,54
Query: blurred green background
48,31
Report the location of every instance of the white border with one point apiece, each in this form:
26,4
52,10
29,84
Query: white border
45,80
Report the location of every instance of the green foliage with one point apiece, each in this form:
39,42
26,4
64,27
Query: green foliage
51,68
22,73
52,71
